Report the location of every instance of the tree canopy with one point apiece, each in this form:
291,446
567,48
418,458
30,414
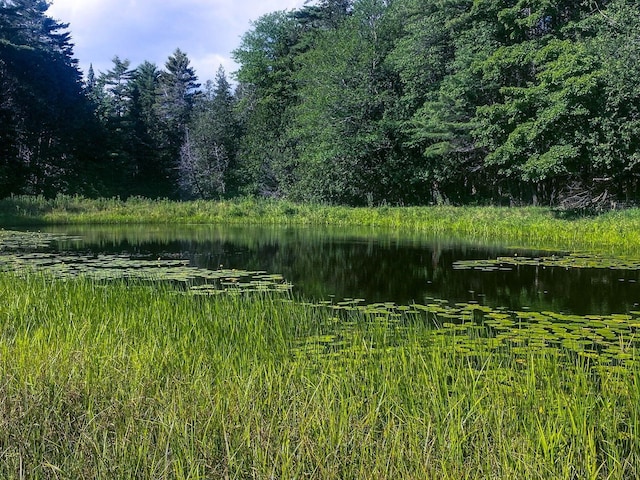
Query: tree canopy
342,101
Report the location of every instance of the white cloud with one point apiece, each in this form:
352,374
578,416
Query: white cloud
206,66
207,30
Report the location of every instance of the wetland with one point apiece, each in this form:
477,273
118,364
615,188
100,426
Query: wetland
491,295
319,351
325,263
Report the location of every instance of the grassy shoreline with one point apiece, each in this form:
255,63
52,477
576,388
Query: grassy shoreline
617,231
128,381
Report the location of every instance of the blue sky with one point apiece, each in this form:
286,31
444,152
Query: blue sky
207,30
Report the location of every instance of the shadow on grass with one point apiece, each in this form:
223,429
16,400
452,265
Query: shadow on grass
574,214
23,211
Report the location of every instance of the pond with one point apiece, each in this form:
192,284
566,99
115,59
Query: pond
333,264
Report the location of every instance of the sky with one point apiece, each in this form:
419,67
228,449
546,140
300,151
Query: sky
138,30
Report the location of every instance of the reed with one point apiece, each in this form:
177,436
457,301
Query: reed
616,231
127,380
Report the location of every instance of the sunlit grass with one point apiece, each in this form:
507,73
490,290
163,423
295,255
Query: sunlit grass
526,226
124,380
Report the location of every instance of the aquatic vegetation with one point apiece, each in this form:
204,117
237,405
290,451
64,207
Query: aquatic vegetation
113,267
12,240
22,252
606,339
569,260
133,380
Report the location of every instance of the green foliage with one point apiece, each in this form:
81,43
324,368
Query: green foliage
344,123
347,102
211,144
617,146
436,60
42,108
266,56
542,130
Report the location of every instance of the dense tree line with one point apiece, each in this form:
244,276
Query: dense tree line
42,109
342,101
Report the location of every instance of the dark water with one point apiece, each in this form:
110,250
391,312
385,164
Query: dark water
377,266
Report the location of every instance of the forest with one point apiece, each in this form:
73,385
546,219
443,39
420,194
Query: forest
345,102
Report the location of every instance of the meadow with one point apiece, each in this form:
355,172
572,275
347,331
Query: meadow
129,378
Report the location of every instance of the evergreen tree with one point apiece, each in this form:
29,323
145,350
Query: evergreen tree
177,92
146,144
113,96
326,14
116,91
42,107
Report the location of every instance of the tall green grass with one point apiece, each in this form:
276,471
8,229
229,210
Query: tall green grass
527,226
135,381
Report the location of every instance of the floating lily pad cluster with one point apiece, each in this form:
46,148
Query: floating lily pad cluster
238,281
18,253
11,240
608,339
573,260
477,330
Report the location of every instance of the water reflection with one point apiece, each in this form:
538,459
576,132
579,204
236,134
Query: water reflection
374,264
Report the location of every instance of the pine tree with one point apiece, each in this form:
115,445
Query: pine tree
42,106
177,92
146,141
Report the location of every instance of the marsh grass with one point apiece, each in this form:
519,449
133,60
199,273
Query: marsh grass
126,380
527,226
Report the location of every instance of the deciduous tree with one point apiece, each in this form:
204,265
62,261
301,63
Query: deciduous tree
211,143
